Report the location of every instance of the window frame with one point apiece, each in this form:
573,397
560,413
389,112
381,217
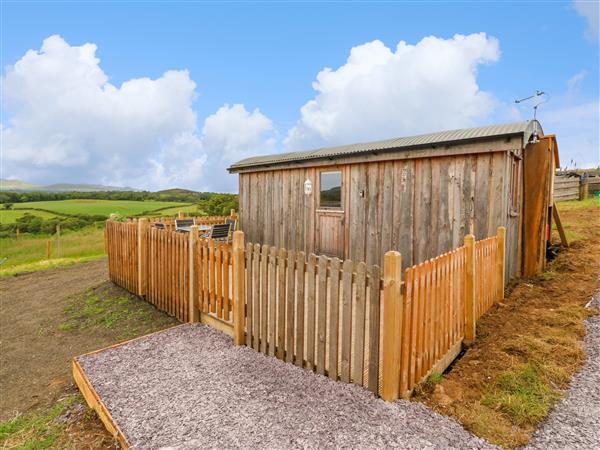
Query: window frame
514,187
339,208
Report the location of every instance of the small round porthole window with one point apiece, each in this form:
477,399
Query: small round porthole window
308,187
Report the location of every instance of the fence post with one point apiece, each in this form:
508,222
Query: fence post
500,261
194,312
141,256
583,189
392,325
239,282
180,215
470,297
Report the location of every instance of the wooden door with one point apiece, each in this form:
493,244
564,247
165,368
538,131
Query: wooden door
330,213
330,233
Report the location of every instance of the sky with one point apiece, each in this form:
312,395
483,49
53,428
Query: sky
156,95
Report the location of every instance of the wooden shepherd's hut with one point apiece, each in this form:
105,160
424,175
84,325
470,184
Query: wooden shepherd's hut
419,195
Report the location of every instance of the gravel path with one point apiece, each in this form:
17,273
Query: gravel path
575,421
189,387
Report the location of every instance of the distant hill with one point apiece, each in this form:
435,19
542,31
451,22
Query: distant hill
177,191
18,185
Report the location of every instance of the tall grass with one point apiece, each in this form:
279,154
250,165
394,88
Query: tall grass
29,251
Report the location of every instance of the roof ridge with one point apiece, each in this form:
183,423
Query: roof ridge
419,140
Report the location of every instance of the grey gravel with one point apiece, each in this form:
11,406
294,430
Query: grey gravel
575,421
189,387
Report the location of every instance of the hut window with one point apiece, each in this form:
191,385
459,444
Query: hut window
330,187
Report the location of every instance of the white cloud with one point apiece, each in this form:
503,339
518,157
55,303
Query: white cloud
381,93
67,122
590,11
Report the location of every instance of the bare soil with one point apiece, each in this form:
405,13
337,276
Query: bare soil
51,316
528,347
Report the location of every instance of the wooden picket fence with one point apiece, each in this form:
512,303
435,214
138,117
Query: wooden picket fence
318,312
434,315
428,321
346,320
486,279
167,272
121,246
213,279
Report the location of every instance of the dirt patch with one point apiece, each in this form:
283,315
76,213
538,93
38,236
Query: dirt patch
48,318
527,348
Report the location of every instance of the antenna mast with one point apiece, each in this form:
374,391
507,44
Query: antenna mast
534,136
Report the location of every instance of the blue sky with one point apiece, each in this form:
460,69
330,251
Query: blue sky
265,58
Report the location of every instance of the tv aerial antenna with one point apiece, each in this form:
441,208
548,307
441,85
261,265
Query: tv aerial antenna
541,101
536,95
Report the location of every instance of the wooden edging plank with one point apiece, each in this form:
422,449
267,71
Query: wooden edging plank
94,402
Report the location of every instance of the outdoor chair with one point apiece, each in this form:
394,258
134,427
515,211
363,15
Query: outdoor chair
184,225
233,223
159,226
219,232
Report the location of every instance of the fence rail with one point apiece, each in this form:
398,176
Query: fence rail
342,319
569,187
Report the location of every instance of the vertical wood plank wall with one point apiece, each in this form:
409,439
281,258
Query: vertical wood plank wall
419,207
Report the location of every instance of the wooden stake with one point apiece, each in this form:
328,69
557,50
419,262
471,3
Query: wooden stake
470,297
239,282
500,257
194,312
559,225
58,252
49,248
392,325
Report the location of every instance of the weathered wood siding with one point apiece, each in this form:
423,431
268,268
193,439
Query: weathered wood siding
420,207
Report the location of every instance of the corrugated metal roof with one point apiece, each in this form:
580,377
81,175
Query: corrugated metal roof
403,143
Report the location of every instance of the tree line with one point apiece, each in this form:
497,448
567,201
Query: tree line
171,195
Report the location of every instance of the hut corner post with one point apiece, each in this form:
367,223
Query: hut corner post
393,303
239,283
470,298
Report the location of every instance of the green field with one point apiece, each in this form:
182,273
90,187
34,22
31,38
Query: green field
100,207
11,215
29,251
191,209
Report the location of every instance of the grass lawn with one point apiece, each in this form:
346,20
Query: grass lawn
11,215
100,207
28,253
